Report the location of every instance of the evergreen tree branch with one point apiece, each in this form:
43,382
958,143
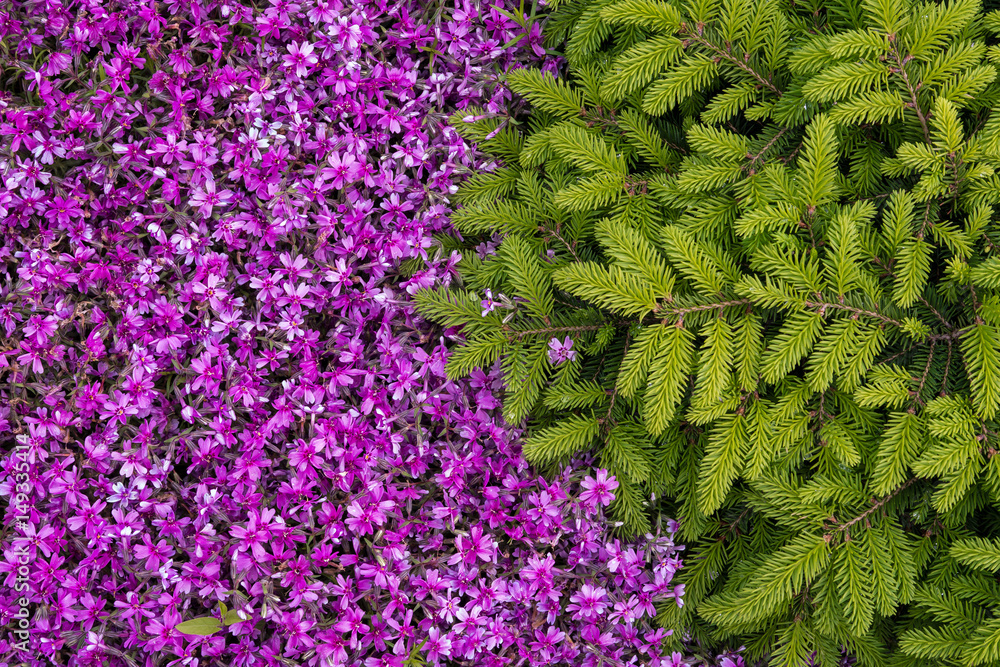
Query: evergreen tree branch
900,69
838,528
727,55
513,334
666,310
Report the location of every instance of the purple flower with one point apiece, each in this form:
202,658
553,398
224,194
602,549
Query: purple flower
598,490
560,352
301,57
588,603
488,304
205,199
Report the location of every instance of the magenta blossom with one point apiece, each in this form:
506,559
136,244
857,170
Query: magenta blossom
598,490
588,603
488,304
301,57
560,352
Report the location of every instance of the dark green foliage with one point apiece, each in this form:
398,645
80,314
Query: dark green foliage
769,229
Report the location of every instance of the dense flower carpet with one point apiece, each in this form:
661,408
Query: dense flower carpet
227,438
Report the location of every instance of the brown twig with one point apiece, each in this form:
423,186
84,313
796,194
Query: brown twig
901,70
879,504
681,312
923,378
521,334
726,54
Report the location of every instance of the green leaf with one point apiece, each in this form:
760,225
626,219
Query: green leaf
845,253
793,648
633,253
231,617
977,552
715,371
530,279
623,451
525,375
760,441
646,13
645,138
499,216
889,386
831,354
546,93
863,358
453,308
488,186
635,366
585,149
607,287
902,444
201,627
593,192
581,394
987,273
749,340
479,352
947,134
692,261
679,83
845,80
772,584
885,586
635,68
932,24
984,645
854,575
933,642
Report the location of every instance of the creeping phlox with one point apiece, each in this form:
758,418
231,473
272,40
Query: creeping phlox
227,406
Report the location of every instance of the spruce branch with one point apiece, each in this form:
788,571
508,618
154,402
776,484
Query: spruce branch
756,157
838,528
923,376
829,305
666,310
515,334
727,55
900,69
554,233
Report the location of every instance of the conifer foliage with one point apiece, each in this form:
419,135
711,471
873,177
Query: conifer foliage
769,230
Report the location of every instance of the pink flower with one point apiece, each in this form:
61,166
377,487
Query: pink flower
437,645
205,199
488,304
588,603
560,352
119,412
211,291
598,490
343,169
474,546
300,56
41,328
